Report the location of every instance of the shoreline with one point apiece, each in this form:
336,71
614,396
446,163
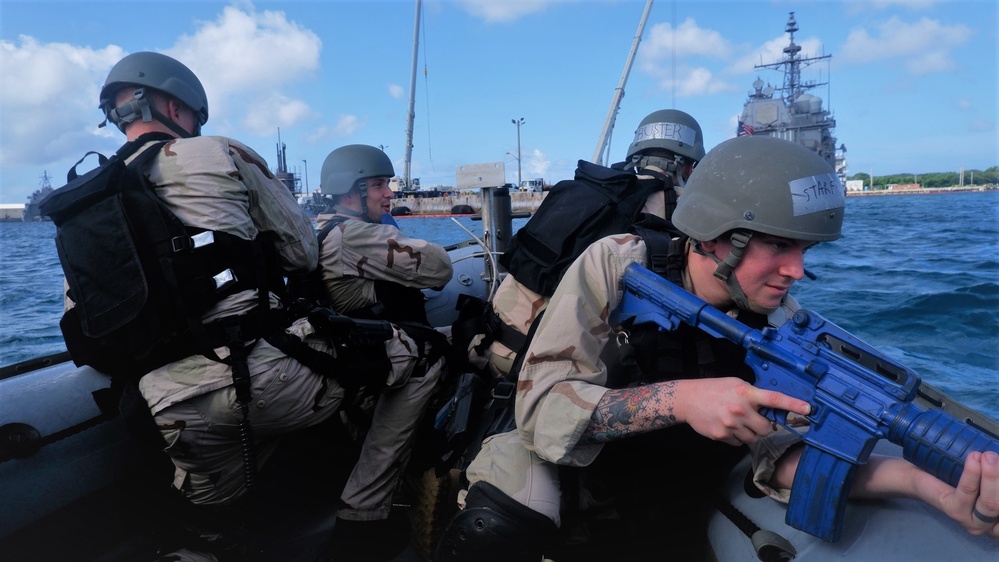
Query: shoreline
921,191
529,202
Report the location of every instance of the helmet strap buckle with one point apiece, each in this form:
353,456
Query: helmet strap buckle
140,105
129,111
739,240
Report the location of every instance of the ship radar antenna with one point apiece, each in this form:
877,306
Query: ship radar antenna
792,65
46,180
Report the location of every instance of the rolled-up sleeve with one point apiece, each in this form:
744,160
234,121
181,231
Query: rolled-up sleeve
563,378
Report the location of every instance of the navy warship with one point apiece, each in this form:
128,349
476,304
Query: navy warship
789,112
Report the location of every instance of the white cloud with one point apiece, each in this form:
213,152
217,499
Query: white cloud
686,43
696,81
53,89
345,126
265,116
689,40
245,51
536,164
244,59
922,47
503,12
249,49
396,91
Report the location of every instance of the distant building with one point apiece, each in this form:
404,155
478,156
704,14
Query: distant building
399,185
12,211
854,185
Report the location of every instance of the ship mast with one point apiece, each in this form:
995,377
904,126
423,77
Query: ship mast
412,100
793,114
792,64
604,141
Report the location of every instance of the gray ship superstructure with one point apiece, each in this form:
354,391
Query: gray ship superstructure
789,112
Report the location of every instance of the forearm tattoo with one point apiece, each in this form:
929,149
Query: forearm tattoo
634,410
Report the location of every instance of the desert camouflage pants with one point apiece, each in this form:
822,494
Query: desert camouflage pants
505,463
202,433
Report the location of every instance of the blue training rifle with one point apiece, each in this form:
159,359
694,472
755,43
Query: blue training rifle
857,395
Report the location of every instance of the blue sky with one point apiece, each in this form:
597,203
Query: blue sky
913,84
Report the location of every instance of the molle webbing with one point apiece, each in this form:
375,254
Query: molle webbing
664,246
140,279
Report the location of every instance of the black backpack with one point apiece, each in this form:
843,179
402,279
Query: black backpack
139,278
599,202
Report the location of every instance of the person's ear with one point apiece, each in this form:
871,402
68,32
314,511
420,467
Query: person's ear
174,107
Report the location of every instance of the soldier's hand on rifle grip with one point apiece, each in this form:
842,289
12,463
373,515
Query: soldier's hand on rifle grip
727,409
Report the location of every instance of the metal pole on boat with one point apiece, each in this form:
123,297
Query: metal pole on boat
412,97
604,140
497,227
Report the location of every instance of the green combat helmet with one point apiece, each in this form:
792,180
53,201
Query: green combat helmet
158,72
760,184
672,130
347,165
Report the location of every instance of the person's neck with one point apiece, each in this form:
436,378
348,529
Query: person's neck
351,211
136,130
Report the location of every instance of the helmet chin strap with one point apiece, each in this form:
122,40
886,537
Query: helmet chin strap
362,186
139,106
725,270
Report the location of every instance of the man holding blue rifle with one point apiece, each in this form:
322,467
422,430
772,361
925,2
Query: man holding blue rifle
655,419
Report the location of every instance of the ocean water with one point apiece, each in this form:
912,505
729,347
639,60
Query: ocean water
915,276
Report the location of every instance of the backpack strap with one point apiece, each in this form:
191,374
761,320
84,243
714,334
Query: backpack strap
72,173
498,415
664,246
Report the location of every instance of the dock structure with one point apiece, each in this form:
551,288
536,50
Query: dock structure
12,211
521,202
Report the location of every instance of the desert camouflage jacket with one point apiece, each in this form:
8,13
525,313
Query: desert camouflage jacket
357,253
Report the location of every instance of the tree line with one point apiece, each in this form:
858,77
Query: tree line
936,179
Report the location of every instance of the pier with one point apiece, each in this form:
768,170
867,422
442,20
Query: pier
520,202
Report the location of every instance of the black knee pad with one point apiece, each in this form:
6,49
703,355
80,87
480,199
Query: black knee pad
494,527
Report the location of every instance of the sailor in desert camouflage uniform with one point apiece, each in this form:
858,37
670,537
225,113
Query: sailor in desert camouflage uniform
660,437
221,186
673,153
372,270
668,144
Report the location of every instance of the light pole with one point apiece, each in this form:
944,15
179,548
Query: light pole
514,156
518,123
306,164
